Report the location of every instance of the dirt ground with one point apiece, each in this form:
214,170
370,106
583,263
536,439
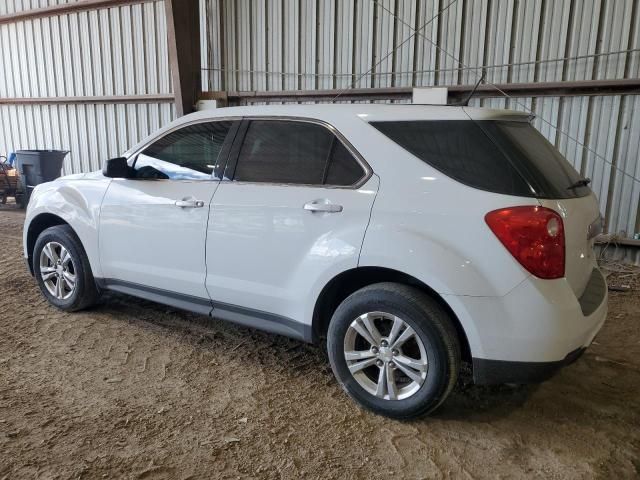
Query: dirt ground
132,389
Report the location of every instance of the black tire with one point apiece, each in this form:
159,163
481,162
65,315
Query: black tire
85,293
432,325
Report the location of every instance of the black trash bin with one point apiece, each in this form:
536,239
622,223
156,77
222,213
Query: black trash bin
36,167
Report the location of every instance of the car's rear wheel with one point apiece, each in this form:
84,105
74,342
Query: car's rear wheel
394,350
62,269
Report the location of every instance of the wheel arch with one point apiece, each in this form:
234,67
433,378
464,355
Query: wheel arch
349,281
39,224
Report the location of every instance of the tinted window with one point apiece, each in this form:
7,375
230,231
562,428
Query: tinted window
186,154
459,149
303,153
544,167
343,169
499,156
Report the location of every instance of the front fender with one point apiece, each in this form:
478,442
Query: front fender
76,202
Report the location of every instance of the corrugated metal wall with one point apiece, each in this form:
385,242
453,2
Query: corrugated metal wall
15,6
311,44
92,132
307,44
117,51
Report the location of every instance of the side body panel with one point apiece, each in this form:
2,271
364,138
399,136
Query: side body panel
146,239
432,227
265,252
77,201
538,321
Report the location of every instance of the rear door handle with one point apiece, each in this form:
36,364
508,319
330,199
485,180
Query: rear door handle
189,203
322,206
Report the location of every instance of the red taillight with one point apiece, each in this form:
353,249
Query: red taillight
534,236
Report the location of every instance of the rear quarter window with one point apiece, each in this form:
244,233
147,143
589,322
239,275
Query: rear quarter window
508,157
460,150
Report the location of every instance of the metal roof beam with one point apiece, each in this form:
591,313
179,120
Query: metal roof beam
456,92
80,5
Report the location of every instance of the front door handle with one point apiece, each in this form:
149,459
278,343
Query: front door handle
322,206
188,203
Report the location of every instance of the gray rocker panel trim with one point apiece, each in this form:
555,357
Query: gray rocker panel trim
247,317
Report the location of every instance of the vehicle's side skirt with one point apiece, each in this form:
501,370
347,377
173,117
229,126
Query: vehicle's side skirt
262,320
248,317
185,302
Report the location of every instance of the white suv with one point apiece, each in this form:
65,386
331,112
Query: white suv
411,238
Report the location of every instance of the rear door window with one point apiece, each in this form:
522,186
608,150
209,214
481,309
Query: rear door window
342,168
508,157
295,153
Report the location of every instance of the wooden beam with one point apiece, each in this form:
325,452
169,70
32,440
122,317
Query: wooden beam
183,27
64,8
158,98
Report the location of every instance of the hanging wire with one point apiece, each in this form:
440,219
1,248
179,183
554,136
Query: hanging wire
527,109
436,70
461,66
416,32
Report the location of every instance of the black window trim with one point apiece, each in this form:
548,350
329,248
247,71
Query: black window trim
232,161
223,157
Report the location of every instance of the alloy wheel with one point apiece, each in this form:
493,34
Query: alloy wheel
385,356
57,270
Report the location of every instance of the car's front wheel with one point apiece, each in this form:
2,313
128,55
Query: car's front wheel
394,350
62,269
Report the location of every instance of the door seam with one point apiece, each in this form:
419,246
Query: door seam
206,236
98,228
366,229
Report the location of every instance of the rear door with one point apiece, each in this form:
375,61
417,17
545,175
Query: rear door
291,214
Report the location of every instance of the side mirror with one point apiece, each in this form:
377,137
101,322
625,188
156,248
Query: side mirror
116,168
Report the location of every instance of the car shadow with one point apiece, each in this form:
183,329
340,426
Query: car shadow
466,402
483,402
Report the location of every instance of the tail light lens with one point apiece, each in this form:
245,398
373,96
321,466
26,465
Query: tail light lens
534,236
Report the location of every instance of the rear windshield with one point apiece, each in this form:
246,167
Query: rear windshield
509,157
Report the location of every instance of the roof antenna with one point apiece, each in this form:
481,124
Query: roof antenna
465,102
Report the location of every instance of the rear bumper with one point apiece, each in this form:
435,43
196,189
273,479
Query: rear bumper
493,372
534,330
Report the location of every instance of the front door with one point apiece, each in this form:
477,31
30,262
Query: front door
153,226
291,215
